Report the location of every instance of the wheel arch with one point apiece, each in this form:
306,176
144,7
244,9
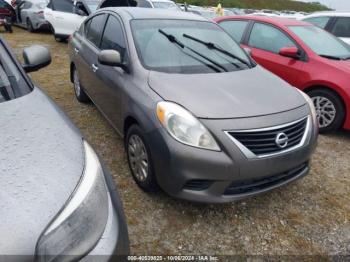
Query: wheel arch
331,89
128,122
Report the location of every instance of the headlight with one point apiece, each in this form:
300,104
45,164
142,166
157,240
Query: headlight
184,127
312,108
81,222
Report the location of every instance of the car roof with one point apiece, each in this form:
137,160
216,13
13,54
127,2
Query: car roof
329,13
154,13
278,21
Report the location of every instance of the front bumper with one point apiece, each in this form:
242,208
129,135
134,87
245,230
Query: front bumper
206,176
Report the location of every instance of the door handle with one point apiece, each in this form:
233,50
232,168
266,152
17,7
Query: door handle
94,68
76,50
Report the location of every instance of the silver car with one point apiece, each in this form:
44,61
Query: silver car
58,201
30,15
200,119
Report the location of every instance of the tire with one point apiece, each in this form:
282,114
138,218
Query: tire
140,156
329,108
30,27
8,28
79,92
59,39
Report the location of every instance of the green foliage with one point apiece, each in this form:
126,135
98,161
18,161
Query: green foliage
261,4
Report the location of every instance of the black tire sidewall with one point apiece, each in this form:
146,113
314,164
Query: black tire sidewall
150,184
82,97
30,26
338,104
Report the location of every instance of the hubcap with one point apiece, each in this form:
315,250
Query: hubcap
138,157
325,110
76,83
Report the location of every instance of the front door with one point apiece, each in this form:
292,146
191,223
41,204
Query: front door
265,41
112,79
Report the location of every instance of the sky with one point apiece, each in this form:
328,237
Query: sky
334,4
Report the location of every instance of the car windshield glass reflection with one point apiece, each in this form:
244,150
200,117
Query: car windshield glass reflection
158,53
322,43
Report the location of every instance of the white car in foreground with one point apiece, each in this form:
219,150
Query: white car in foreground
66,16
337,23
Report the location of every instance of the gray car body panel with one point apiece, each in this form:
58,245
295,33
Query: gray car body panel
246,93
42,160
252,98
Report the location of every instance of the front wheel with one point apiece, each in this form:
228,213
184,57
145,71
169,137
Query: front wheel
330,110
139,159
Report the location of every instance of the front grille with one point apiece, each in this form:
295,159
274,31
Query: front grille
253,185
263,142
198,185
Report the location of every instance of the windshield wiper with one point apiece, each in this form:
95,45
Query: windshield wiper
174,40
331,57
210,45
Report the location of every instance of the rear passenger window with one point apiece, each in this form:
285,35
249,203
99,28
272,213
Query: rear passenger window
95,29
143,3
113,37
342,27
235,29
321,21
269,38
63,6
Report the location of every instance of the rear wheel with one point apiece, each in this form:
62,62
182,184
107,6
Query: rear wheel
30,27
80,94
8,28
330,110
139,159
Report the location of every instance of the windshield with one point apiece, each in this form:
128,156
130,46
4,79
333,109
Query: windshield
172,46
11,79
322,42
165,5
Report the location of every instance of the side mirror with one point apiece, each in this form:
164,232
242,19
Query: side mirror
111,58
248,51
35,57
291,52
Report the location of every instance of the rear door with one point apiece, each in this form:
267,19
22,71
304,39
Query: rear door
88,51
62,17
265,41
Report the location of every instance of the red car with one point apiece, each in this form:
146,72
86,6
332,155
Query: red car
6,15
304,55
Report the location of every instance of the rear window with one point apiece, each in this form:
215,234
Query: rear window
12,83
321,21
235,29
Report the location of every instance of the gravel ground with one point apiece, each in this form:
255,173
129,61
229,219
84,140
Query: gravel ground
309,217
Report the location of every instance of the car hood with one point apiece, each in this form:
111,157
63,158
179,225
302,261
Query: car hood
343,65
41,163
245,93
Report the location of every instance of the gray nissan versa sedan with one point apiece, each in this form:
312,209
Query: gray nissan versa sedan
57,201
200,119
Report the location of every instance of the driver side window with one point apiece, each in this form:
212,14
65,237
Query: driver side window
113,37
269,38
